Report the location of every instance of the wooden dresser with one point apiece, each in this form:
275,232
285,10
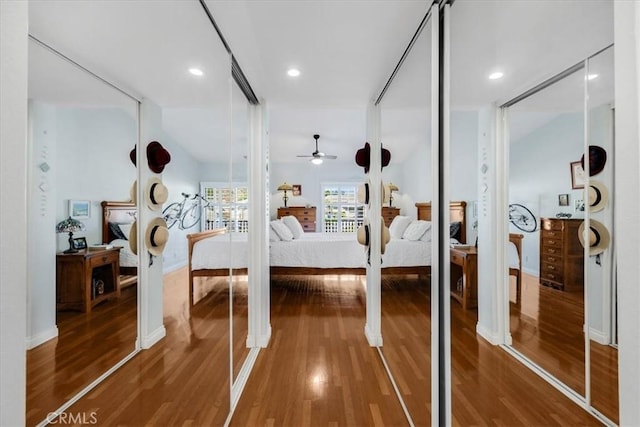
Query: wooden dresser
306,216
561,254
388,213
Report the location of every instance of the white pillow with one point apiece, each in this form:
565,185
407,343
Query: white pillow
426,237
282,230
398,226
416,229
294,225
126,229
273,237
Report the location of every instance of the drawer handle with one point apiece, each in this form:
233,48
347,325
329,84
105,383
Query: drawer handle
552,251
550,258
551,276
104,258
552,242
551,267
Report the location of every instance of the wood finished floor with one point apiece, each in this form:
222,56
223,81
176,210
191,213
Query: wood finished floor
86,346
318,368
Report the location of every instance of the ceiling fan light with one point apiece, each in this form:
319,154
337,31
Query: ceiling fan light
316,161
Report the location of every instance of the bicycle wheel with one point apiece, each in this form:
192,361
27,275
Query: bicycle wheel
191,217
171,214
522,218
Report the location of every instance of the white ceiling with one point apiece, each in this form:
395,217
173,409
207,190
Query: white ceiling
345,50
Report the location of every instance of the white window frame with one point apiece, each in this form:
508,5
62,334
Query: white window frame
327,185
234,205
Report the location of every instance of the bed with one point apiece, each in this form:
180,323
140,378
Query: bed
117,218
515,260
215,252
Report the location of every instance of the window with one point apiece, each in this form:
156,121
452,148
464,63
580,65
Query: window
341,211
227,206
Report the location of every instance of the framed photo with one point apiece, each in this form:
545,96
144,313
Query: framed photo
80,243
563,200
79,209
577,175
297,190
578,205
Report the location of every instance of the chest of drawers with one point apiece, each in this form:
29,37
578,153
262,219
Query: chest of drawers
561,254
388,213
306,216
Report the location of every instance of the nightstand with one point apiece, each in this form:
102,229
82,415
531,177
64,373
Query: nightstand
464,276
87,278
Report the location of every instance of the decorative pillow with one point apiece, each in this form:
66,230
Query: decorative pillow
454,228
294,225
398,226
117,231
282,230
416,229
273,237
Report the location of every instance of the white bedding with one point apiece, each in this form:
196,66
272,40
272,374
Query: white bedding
514,259
127,258
313,250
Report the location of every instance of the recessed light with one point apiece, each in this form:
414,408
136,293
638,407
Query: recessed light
293,72
196,72
495,76
591,76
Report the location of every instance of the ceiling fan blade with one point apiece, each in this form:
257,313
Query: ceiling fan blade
330,156
300,155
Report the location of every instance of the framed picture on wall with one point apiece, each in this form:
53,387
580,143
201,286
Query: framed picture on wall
297,189
563,200
79,209
577,175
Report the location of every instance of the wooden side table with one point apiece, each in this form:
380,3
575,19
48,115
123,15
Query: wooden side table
464,276
87,278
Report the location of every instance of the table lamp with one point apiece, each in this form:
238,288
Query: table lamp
285,187
70,226
392,188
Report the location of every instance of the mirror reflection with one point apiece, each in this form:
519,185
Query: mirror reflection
82,304
601,277
547,293
406,292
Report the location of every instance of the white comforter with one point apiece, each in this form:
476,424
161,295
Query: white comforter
315,250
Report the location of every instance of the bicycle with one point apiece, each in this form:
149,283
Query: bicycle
522,218
183,215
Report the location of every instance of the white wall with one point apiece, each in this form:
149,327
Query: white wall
627,195
13,228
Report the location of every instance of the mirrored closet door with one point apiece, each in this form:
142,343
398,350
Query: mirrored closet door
406,293
82,285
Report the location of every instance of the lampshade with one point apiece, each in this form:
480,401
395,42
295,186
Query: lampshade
69,225
285,187
393,187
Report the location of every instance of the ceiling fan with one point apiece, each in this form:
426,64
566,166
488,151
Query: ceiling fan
317,157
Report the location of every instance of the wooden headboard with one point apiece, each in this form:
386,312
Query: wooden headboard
116,212
457,213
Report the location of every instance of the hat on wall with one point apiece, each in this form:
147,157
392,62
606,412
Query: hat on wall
598,196
156,236
157,156
598,237
597,159
363,233
156,194
133,192
364,193
363,157
133,238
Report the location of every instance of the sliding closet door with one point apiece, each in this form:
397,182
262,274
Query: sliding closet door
601,280
406,126
81,131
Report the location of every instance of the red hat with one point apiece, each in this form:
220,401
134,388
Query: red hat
597,159
363,157
157,156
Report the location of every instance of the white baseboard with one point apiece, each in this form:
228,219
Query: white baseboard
41,338
155,336
598,336
491,336
374,340
173,267
535,273
259,341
